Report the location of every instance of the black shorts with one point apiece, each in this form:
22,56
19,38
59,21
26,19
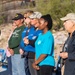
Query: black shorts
45,70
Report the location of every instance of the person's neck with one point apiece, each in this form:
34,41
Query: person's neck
19,25
72,30
45,30
29,26
71,33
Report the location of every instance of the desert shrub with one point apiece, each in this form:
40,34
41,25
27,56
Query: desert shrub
57,9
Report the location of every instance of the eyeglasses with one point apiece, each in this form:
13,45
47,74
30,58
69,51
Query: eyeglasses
32,18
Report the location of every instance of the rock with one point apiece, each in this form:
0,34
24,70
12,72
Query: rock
58,36
61,29
53,31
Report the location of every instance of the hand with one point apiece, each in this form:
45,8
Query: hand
26,41
11,51
35,66
64,55
21,51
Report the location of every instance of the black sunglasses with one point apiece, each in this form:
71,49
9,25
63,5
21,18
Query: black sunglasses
24,17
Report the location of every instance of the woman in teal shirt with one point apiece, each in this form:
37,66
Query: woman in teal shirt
44,46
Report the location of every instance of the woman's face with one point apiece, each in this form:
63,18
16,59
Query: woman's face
35,23
27,21
68,24
43,24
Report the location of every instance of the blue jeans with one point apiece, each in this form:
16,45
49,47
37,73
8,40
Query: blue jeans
27,67
18,65
9,66
4,73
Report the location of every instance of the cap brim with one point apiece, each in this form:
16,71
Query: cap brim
32,17
15,19
64,18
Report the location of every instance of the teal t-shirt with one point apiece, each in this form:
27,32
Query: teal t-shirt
45,45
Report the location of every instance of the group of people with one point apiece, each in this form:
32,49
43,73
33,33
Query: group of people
31,45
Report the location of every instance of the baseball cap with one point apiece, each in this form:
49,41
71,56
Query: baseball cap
70,16
18,16
36,15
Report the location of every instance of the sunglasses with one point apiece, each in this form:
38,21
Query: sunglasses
24,17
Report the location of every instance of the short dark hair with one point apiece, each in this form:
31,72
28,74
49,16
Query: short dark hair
48,19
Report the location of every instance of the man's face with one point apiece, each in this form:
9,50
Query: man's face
18,22
68,25
14,26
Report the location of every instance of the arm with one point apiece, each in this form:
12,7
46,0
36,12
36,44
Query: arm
11,51
14,43
35,64
29,42
32,42
15,39
42,57
63,55
71,56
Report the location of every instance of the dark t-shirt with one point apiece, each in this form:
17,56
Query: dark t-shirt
15,39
